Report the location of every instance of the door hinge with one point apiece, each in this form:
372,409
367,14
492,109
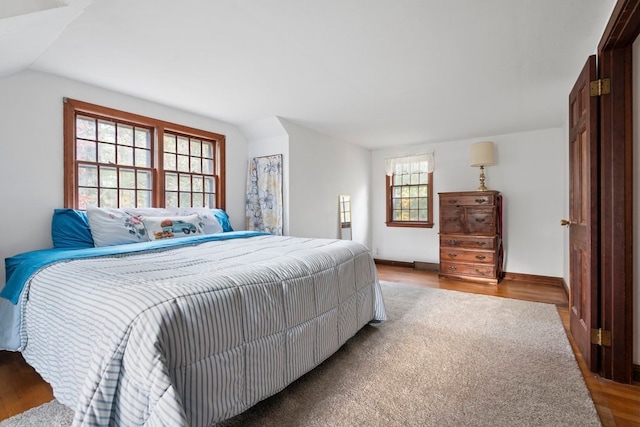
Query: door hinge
601,337
600,87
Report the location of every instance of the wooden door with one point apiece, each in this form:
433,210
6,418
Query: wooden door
583,205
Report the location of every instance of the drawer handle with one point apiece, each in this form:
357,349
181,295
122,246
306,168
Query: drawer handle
481,200
481,243
453,242
452,268
453,202
480,257
481,219
479,272
453,255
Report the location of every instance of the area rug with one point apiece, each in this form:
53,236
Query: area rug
443,358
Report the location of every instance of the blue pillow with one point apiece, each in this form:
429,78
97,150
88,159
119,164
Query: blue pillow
70,229
223,219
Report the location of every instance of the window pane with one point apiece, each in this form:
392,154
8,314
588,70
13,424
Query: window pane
208,185
397,180
183,145
170,161
405,203
144,199
169,143
128,198
106,153
210,201
108,178
413,203
405,191
86,150
413,215
183,163
397,215
127,178
207,166
144,180
106,131
423,191
413,191
406,179
397,192
196,165
142,138
185,200
85,128
87,176
125,155
424,178
185,183
196,148
87,196
125,134
108,198
207,150
423,215
415,178
171,200
143,158
198,200
198,183
397,203
171,182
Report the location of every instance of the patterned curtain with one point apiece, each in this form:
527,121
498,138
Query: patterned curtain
264,194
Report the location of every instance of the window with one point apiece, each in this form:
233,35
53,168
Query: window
410,191
119,159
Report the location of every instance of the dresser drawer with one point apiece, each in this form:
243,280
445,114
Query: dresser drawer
461,255
468,269
481,220
467,200
471,242
452,220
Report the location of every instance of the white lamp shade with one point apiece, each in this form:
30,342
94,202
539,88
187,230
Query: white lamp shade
482,153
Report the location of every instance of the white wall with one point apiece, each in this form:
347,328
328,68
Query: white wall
320,169
636,202
31,153
529,172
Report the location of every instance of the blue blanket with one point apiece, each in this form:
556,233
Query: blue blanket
21,267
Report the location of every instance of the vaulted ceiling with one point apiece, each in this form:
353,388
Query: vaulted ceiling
375,73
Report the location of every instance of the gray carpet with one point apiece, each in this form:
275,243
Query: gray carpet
444,358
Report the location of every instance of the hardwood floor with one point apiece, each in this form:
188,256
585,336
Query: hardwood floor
22,388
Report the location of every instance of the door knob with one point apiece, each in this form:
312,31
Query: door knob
566,222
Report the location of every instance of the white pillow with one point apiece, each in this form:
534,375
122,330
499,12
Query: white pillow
111,226
167,227
208,220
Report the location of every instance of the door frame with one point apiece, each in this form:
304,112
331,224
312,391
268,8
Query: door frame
616,190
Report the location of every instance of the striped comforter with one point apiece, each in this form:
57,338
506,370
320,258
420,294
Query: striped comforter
195,334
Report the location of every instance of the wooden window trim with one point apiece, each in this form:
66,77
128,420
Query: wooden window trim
73,106
415,224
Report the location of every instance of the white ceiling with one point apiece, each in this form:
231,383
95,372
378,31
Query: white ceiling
373,72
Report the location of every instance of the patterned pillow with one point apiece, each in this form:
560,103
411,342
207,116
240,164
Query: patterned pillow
208,221
166,227
111,226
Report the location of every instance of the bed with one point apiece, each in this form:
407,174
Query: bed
188,331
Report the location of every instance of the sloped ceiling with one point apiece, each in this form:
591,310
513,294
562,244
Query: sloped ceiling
375,73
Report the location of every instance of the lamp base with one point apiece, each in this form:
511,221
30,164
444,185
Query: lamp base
482,179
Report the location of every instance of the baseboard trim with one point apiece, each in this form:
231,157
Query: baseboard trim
635,374
394,263
534,278
427,266
522,277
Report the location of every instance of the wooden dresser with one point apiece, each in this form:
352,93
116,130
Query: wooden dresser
471,236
